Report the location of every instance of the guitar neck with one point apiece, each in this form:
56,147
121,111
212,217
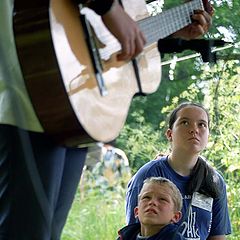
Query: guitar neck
168,22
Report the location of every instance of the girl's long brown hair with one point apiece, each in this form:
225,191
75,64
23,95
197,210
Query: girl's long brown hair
203,177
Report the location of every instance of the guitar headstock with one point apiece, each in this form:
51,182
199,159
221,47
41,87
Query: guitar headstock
208,7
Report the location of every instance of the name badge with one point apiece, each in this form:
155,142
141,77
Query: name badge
201,201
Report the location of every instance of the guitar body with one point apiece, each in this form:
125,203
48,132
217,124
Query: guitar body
59,73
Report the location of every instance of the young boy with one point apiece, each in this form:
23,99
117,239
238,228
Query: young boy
159,208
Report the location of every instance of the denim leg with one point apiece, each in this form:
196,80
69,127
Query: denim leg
70,180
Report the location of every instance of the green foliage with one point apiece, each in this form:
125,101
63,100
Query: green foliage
137,141
233,191
95,216
98,211
224,149
224,102
226,15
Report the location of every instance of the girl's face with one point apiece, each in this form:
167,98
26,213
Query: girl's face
190,130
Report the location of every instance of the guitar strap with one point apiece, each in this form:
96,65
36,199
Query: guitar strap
94,54
136,71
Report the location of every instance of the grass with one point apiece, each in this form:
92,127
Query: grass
94,216
100,214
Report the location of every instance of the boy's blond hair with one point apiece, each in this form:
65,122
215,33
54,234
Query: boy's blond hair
176,195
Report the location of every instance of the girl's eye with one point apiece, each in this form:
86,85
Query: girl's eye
203,125
184,123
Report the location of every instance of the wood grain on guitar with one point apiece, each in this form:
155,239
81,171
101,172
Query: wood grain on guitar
59,71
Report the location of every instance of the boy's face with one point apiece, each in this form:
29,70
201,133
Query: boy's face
156,206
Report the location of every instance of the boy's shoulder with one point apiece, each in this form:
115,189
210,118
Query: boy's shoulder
129,231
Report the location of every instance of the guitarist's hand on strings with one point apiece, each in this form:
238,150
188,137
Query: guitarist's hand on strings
202,21
126,30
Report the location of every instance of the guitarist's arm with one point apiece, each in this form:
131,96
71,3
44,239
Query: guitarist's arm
131,38
116,19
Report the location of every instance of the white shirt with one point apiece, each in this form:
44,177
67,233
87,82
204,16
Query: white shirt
15,105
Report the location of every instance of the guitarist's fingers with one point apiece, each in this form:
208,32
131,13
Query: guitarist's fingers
132,46
203,19
125,30
200,25
126,50
139,44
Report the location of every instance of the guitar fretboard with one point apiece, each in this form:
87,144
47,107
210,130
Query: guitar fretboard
158,26
164,24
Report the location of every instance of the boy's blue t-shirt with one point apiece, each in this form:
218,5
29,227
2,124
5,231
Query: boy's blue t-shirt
205,217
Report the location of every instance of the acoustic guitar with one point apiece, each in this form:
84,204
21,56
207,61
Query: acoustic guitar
80,92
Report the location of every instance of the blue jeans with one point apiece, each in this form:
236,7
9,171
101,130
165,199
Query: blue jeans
38,181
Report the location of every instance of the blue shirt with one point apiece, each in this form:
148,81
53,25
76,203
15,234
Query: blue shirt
202,218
